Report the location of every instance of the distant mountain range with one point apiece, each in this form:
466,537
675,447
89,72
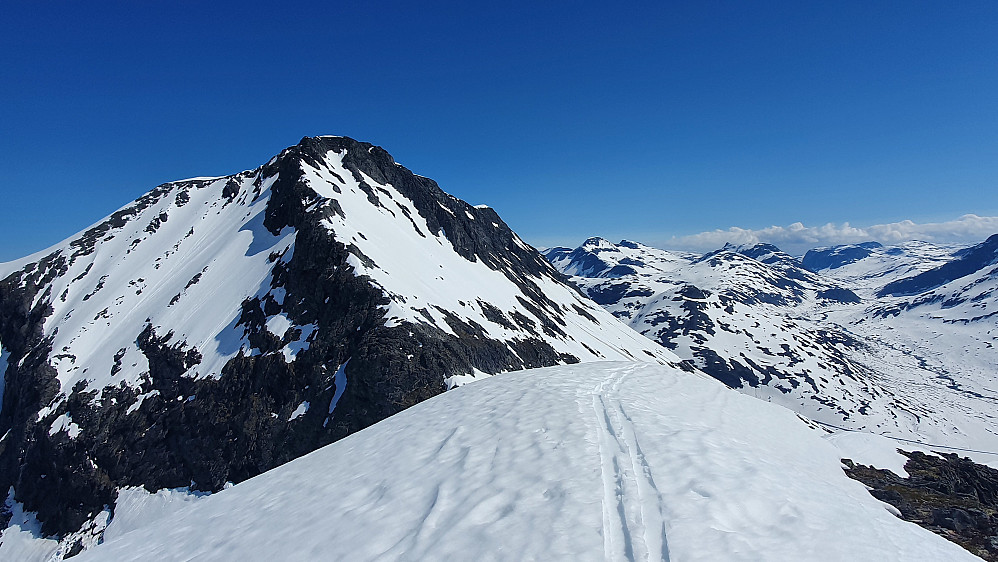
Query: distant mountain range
896,340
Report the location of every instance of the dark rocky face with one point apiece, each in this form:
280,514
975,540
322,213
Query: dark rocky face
951,496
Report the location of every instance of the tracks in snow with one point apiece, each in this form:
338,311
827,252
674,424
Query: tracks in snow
633,523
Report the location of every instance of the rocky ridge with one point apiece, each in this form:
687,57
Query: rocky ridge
949,495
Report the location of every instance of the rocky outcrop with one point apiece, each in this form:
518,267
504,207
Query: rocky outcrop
949,495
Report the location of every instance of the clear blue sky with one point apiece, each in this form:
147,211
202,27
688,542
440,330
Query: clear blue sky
636,120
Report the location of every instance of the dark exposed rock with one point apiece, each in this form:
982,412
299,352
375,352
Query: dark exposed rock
839,294
730,372
949,495
609,293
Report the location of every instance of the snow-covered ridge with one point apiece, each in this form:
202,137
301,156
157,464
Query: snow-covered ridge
598,257
602,461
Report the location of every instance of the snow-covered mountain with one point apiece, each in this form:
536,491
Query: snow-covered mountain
724,310
218,327
819,342
869,266
599,461
959,290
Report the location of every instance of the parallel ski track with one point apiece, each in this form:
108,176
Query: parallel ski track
633,522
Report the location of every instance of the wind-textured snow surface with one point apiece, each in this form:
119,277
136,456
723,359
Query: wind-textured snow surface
599,461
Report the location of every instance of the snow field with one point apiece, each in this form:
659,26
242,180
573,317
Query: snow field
204,256
598,461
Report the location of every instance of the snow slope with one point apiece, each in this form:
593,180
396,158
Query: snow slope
600,461
183,262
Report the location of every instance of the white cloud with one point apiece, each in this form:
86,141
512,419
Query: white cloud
797,238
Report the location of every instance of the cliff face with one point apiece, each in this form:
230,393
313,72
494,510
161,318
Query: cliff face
216,328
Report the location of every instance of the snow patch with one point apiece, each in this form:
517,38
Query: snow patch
278,324
42,413
22,539
450,212
455,381
299,411
300,344
340,380
139,399
65,422
279,293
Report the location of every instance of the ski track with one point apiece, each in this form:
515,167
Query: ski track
633,522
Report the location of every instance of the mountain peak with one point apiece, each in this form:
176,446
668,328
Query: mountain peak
232,324
597,242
